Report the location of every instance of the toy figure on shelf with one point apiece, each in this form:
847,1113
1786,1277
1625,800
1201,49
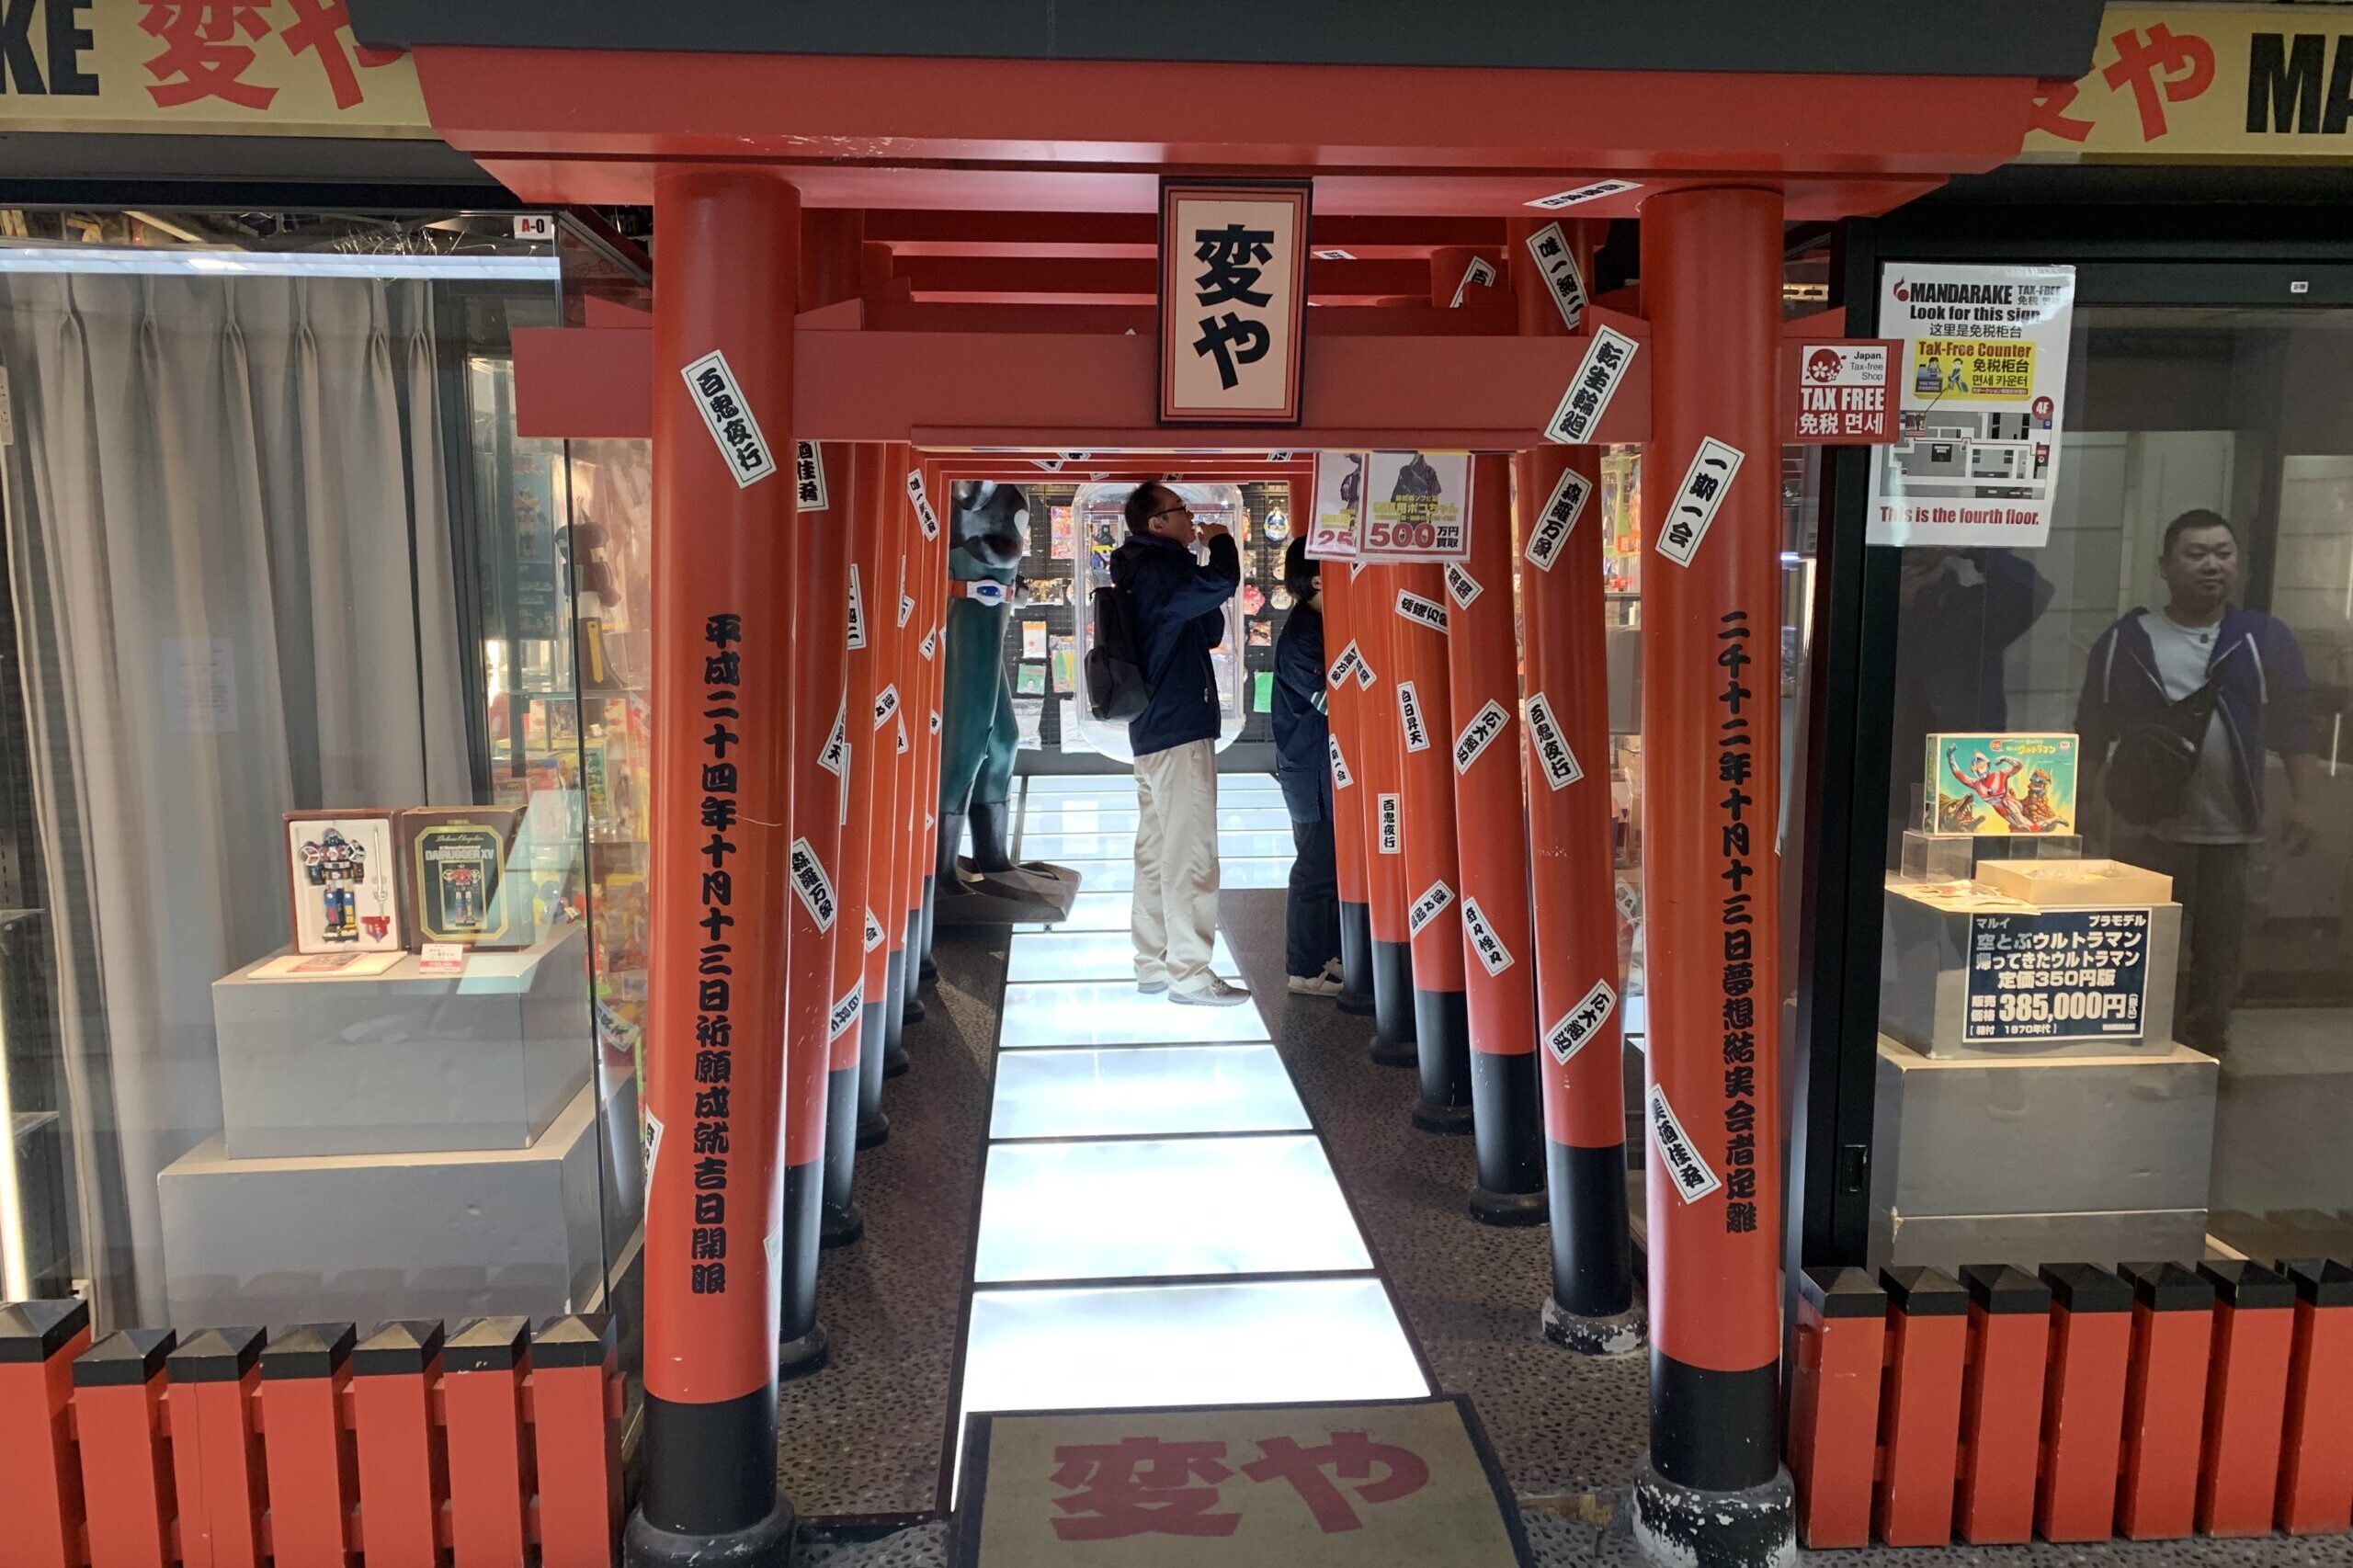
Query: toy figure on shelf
461,896
335,864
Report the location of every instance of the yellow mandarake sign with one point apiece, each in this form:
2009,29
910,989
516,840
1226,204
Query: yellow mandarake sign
241,67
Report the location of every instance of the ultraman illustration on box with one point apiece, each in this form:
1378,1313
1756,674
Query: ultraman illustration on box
345,883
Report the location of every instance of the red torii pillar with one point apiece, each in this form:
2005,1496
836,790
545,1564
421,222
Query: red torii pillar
1714,1491
722,571
1371,593
1347,755
1592,1308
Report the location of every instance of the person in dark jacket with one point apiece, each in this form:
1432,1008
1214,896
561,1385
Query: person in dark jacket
1303,767
2143,665
1178,607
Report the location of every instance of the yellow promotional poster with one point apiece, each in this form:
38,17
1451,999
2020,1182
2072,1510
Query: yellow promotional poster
254,68
1974,366
2241,84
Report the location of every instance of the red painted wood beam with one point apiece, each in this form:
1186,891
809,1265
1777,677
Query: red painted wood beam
1034,275
1135,235
1092,392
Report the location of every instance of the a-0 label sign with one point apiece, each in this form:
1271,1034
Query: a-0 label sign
729,418
1552,752
1409,714
1493,957
1576,1029
1598,376
1697,499
1429,907
1480,734
1558,520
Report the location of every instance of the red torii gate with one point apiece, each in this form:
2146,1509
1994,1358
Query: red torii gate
1013,197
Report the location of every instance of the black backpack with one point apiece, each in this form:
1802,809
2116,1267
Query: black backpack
2151,768
1115,688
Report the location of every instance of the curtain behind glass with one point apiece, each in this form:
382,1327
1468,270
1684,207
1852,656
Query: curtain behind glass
228,514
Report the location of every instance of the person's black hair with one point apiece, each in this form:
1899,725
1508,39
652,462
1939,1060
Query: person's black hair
1300,570
1140,507
2199,518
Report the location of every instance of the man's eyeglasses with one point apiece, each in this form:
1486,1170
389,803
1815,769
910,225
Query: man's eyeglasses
1170,512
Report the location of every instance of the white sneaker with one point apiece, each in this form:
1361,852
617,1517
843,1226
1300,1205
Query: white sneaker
1152,987
1314,985
1212,993
1334,973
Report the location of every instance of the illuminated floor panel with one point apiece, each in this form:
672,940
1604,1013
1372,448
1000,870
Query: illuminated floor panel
1269,873
1122,819
1093,955
1090,911
1063,847
1114,1013
1142,1091
1262,1341
1135,1208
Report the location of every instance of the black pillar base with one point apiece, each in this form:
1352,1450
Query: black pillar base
894,1013
911,964
845,1226
1393,1004
1593,1243
1356,961
841,1141
1442,1051
895,1061
1508,1100
709,1495
797,1330
1622,1334
1755,1527
873,1131
768,1544
799,1357
925,968
1509,1209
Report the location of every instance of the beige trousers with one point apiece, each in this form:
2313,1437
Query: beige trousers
1175,898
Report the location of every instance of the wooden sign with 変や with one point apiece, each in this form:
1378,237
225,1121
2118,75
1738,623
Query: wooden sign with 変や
1367,1485
1232,302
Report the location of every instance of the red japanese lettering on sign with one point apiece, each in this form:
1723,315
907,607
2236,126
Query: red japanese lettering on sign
2052,101
2161,66
208,49
1149,1486
1141,1486
321,25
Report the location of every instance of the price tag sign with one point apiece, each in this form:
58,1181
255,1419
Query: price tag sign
2057,974
1417,506
442,958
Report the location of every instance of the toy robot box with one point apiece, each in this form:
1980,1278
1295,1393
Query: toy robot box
454,859
2002,784
343,883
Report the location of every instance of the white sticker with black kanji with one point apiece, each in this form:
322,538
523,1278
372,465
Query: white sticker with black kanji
1341,777
653,1144
1460,587
1558,520
1576,1029
848,752
844,1012
1480,734
1365,677
1550,744
1391,835
834,758
1480,274
874,933
809,879
1629,903
1697,500
934,721
906,608
930,642
1581,194
1429,907
886,702
1421,611
1599,374
1346,665
1557,260
1493,957
905,745
732,430
1693,1180
1409,714
924,514
808,469
857,610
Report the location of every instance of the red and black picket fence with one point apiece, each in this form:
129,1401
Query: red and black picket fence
2075,1403
477,1448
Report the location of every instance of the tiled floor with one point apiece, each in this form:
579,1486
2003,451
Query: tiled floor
1160,1223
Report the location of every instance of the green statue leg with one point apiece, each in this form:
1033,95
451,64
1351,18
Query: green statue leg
992,816
970,687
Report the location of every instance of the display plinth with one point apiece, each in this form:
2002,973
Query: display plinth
2037,1160
365,1237
317,1065
1924,975
1955,856
1032,890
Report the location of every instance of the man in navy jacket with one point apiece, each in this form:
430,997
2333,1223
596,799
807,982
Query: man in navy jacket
1178,607
2143,665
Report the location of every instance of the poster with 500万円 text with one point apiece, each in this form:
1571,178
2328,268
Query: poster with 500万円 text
1982,386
